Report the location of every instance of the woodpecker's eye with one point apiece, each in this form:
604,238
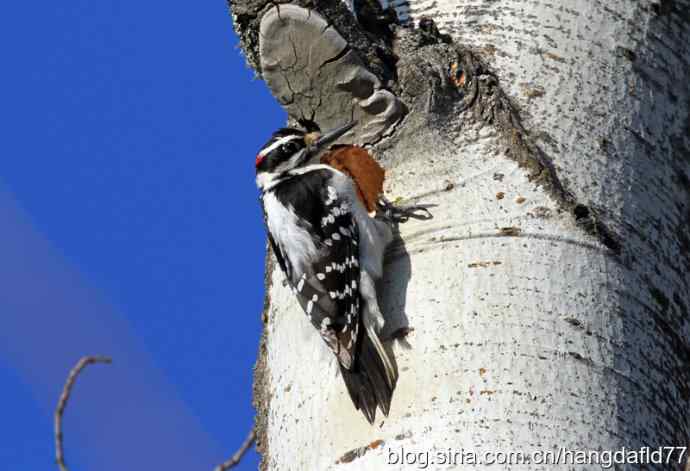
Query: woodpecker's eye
289,148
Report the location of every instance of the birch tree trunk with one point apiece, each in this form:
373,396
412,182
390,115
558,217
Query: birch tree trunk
548,297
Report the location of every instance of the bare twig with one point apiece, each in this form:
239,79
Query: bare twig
66,393
62,403
235,459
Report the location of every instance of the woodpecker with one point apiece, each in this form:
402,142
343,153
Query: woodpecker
330,249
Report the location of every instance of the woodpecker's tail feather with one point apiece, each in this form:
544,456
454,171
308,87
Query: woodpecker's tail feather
370,382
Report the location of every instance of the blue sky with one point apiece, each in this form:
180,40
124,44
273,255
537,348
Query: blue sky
129,227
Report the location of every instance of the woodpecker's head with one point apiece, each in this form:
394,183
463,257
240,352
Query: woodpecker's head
288,149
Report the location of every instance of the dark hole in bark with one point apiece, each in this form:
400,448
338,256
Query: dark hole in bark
581,212
663,7
627,53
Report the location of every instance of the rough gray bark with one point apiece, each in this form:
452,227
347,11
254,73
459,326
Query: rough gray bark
549,295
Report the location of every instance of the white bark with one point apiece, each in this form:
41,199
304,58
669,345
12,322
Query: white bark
530,332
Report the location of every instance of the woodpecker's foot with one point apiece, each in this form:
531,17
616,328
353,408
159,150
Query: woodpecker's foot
396,213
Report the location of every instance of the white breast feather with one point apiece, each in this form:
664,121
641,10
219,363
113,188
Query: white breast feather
294,241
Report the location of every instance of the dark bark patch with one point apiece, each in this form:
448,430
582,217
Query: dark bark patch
578,324
376,20
509,231
430,34
581,358
660,298
627,53
667,8
581,212
352,455
664,7
483,264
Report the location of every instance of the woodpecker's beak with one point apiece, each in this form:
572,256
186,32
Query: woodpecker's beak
323,140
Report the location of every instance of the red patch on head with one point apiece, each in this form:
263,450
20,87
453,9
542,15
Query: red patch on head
259,158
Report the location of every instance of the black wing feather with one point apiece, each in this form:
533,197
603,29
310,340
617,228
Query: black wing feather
328,290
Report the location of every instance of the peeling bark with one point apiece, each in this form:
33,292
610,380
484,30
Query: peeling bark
549,295
316,76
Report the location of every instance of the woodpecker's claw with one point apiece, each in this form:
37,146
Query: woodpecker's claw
402,213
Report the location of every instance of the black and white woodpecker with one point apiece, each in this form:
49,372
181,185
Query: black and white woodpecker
331,252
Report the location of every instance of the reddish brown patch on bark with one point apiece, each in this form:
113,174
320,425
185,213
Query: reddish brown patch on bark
367,174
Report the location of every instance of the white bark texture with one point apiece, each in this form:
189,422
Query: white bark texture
549,294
